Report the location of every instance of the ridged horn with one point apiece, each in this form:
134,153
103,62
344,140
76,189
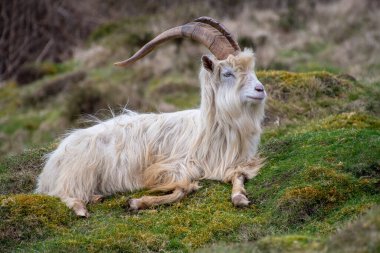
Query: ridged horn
205,30
221,28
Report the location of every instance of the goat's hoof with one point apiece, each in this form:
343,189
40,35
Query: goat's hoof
240,200
132,205
82,213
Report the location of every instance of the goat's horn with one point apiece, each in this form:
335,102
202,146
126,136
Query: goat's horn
205,30
221,28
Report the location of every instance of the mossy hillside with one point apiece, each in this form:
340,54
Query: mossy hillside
307,189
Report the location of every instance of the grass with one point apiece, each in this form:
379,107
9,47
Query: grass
318,177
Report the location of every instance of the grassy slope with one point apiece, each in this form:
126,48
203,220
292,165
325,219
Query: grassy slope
317,178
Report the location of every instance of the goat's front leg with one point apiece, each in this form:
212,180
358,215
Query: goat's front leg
238,196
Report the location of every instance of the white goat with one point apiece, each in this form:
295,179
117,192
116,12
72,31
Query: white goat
168,152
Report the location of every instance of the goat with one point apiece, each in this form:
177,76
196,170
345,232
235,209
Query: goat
169,152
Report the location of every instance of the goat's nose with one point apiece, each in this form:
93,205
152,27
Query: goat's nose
259,87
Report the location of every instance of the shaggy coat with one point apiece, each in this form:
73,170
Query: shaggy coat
169,151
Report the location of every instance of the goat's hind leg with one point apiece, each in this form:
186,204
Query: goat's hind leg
178,193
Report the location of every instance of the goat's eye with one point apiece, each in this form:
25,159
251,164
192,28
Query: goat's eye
228,74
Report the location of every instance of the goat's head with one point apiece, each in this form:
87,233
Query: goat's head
229,70
233,80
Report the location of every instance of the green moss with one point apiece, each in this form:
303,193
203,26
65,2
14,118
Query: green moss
30,217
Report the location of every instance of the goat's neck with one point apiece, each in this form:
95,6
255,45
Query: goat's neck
226,140
237,130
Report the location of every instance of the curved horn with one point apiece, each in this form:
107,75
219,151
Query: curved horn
207,31
221,28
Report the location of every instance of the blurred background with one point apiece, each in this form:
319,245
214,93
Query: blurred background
56,59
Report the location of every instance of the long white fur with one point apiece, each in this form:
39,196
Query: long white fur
134,151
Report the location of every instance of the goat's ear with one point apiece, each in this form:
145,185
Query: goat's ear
208,64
